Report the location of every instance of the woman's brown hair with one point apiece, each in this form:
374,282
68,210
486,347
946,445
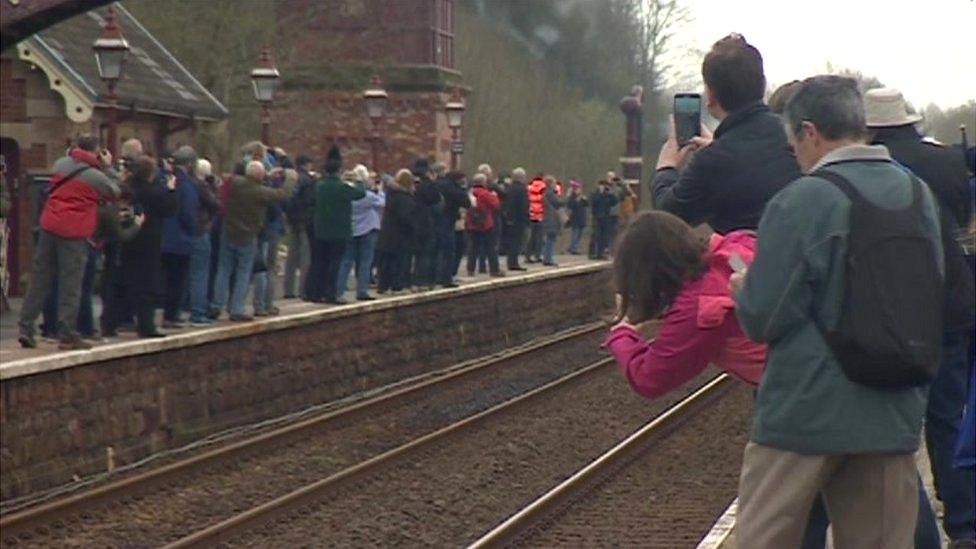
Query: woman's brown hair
653,258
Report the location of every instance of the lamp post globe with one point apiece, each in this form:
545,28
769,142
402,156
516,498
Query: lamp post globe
376,100
265,78
111,49
455,117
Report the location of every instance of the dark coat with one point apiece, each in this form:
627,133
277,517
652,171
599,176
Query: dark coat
602,203
728,183
551,204
179,228
300,208
945,173
426,199
515,206
576,205
140,257
397,231
455,198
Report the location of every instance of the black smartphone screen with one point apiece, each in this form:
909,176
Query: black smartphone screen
687,117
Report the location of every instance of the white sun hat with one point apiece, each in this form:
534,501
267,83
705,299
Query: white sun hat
886,108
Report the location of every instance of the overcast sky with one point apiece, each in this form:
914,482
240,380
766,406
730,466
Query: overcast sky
925,48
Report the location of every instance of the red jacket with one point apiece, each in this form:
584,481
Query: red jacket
537,188
487,205
71,209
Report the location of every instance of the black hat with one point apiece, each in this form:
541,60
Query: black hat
333,161
420,167
303,160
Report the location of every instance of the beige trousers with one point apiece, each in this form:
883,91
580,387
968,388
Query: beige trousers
871,499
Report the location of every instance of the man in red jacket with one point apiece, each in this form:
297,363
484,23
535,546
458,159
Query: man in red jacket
81,181
537,188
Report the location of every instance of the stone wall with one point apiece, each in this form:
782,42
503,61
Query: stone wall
57,423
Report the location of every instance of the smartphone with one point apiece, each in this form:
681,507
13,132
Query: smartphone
687,117
737,263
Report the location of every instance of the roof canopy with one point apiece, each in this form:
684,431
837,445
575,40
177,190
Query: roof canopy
153,81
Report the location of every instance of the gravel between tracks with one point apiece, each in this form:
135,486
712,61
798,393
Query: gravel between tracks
449,494
208,497
670,495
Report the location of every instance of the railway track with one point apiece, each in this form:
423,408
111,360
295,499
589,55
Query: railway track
58,520
626,498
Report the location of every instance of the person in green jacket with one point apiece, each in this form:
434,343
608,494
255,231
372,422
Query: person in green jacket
815,431
333,228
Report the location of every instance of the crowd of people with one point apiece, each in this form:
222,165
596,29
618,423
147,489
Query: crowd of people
838,283
168,233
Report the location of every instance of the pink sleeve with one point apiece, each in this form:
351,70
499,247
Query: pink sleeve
680,351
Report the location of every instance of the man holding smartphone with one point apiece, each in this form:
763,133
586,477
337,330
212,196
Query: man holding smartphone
731,177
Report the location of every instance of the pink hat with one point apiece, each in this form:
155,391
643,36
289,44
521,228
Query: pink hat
575,184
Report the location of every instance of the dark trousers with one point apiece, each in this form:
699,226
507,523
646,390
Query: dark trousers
114,303
512,240
534,251
460,244
481,248
86,312
444,253
604,235
313,280
391,268
176,267
324,271
214,256
943,418
425,265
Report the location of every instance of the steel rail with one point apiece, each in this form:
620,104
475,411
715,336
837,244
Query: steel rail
23,522
283,506
564,493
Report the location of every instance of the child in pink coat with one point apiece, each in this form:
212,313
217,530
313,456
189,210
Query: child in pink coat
663,269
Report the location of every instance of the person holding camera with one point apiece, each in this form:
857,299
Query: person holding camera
82,180
731,177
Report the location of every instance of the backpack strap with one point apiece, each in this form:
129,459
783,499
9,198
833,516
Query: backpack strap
838,181
71,175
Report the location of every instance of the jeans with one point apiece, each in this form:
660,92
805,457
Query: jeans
943,416
549,248
62,260
480,248
199,272
236,260
264,281
359,250
574,239
176,267
297,261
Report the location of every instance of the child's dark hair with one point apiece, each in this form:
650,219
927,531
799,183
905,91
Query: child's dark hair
653,258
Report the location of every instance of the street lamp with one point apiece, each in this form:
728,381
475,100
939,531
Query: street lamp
376,99
455,116
265,79
110,51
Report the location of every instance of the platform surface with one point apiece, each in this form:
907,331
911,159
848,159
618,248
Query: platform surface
16,361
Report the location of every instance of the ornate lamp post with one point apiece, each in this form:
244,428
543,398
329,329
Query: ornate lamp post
455,117
376,100
265,79
110,52
633,160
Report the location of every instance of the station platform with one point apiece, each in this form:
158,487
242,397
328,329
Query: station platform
68,415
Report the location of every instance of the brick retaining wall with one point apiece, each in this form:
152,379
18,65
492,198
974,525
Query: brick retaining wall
57,423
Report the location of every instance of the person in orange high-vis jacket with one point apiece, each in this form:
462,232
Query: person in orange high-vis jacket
537,188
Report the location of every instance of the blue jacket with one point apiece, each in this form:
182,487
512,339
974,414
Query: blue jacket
178,229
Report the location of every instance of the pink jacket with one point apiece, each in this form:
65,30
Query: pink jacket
699,328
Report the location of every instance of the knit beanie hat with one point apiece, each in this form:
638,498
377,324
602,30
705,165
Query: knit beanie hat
333,161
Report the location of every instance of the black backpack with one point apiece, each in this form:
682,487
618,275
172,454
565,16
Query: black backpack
890,330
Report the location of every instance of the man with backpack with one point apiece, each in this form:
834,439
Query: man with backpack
847,291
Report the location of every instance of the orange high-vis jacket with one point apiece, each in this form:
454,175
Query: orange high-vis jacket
537,188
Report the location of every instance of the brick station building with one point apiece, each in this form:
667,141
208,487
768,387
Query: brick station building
333,47
52,93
